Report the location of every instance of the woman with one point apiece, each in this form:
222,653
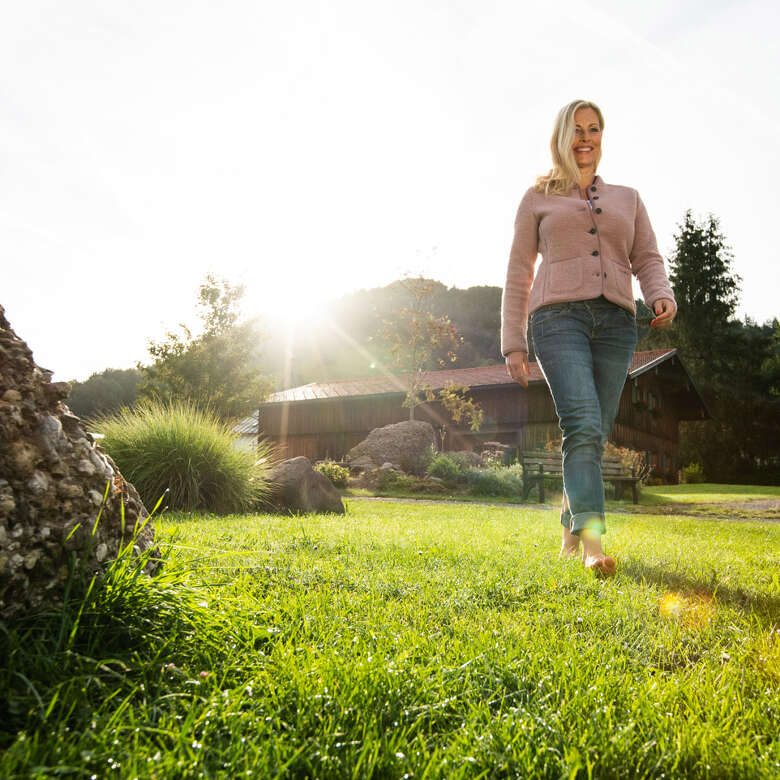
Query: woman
592,236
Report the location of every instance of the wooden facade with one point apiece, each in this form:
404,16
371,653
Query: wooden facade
325,421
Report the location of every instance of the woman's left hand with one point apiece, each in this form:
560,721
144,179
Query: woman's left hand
665,309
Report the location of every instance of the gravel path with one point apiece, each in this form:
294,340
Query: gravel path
758,505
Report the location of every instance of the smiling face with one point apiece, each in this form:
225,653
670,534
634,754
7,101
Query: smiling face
587,138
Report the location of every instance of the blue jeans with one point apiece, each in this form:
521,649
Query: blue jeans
584,349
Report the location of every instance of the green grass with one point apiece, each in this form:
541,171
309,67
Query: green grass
408,640
709,493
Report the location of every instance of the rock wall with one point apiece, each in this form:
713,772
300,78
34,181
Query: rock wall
53,478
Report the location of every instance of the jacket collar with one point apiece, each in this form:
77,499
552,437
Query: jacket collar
597,182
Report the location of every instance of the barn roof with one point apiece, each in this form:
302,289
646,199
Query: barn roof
479,376
249,425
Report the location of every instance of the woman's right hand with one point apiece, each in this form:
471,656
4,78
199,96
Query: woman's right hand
517,367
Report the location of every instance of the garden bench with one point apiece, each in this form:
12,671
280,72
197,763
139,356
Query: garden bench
538,464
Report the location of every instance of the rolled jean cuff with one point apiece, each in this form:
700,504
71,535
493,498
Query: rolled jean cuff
593,521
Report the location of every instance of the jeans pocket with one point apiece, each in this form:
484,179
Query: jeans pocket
549,311
546,315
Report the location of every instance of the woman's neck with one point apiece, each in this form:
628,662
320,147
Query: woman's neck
587,175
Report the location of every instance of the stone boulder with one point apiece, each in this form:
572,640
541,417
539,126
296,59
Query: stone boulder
53,478
404,444
298,487
466,458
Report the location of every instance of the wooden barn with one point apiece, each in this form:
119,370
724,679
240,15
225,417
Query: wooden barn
324,420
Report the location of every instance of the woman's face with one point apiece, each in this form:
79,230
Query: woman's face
587,138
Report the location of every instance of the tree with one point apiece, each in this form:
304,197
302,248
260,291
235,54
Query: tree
730,361
104,392
461,406
707,293
418,340
220,367
770,368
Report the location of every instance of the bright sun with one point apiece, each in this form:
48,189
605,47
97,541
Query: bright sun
288,308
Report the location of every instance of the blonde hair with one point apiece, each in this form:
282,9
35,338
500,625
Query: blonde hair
565,174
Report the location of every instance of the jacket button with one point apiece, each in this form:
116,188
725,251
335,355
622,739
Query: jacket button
595,252
592,189
592,230
595,197
598,211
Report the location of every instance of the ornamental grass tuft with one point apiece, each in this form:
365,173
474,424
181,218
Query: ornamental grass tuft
187,450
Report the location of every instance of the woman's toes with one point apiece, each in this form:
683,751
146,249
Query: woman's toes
602,567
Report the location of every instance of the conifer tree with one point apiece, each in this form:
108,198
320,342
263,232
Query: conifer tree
707,293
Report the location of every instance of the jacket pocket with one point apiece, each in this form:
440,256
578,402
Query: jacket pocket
564,276
619,281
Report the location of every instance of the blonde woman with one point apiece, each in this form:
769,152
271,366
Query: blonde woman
592,237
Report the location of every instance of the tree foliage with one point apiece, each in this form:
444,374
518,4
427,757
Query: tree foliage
419,340
220,367
104,392
461,406
707,293
733,363
345,341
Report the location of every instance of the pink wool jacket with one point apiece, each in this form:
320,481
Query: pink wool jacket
586,252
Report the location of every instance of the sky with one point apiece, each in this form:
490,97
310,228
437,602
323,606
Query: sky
309,149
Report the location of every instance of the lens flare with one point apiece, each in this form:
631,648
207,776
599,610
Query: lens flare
695,610
671,605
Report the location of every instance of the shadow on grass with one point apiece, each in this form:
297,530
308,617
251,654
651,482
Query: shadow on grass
765,607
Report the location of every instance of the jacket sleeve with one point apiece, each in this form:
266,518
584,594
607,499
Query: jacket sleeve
519,276
646,261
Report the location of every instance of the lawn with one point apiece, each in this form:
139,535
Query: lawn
725,501
408,640
709,493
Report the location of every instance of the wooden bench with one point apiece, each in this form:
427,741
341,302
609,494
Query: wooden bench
538,464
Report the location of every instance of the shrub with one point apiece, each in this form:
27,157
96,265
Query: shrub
629,459
186,450
338,475
494,482
421,462
444,468
693,473
492,459
465,460
390,479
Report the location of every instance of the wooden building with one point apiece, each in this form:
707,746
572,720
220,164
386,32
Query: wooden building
324,420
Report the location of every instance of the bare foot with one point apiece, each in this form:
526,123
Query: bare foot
593,555
570,544
602,567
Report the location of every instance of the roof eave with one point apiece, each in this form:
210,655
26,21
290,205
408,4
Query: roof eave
662,359
508,383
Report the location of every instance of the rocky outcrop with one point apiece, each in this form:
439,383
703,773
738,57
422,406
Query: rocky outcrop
53,479
404,444
298,487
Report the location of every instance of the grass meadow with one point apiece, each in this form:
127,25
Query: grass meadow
408,640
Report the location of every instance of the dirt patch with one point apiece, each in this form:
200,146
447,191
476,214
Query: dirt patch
756,505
